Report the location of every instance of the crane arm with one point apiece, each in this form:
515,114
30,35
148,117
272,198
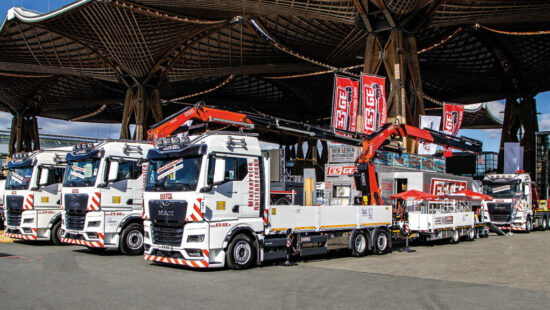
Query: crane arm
200,113
365,176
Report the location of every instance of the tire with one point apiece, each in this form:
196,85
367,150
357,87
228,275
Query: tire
548,222
241,253
55,233
359,244
528,225
282,202
131,239
455,237
477,233
472,234
381,242
544,224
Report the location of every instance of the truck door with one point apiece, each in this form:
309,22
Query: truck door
239,194
118,195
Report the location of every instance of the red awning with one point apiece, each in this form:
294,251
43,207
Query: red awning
469,194
413,194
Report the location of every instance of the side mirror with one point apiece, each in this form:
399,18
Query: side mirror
526,190
219,171
44,176
113,171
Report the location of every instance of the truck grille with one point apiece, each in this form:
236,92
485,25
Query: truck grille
501,217
167,219
500,212
75,208
167,235
14,208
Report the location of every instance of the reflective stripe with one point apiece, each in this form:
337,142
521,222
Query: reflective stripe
178,261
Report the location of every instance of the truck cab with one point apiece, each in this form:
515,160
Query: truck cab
513,202
102,196
32,195
189,210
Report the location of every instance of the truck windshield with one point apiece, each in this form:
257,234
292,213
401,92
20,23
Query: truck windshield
502,190
81,173
173,175
19,178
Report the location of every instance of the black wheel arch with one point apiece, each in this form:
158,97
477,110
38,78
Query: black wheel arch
130,219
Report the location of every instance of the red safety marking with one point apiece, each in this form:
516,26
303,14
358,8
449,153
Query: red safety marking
91,244
20,236
94,202
177,261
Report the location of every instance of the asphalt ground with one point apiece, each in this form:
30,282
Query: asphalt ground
504,272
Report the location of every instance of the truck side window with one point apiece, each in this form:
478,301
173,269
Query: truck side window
236,169
128,170
55,175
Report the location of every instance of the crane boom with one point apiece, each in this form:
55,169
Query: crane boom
365,175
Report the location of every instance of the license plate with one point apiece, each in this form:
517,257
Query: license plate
165,247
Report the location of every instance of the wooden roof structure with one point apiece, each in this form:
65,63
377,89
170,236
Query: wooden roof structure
271,56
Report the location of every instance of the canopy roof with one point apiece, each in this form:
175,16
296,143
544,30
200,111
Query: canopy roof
78,61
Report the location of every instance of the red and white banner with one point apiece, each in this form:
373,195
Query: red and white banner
344,104
443,187
340,170
373,102
428,122
452,118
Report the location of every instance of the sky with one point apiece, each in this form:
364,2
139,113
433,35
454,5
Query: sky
489,137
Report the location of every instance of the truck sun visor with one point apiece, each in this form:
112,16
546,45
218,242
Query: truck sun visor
192,150
82,154
20,164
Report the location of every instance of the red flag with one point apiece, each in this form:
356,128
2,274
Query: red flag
452,118
373,102
344,104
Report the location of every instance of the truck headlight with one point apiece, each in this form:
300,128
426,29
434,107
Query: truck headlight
27,221
94,223
195,238
194,252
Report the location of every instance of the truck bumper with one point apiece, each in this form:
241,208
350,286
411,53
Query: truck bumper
91,236
28,229
190,254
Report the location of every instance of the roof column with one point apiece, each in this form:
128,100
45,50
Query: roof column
23,135
138,104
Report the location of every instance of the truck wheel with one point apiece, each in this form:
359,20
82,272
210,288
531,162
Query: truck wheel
131,239
455,237
528,225
359,245
471,234
241,253
477,232
381,242
544,224
548,222
55,233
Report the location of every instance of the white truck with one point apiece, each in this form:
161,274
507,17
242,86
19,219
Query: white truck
32,195
102,196
515,205
206,206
